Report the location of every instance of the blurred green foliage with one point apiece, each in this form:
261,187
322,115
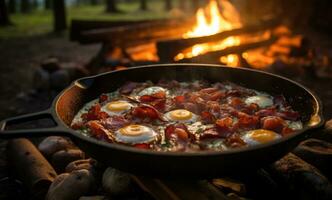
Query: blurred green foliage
41,21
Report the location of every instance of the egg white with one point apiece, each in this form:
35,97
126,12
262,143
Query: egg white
247,138
152,90
260,100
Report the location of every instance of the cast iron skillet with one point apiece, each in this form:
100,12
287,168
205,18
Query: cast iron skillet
146,162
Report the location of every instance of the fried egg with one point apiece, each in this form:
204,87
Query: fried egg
152,90
135,134
260,136
261,101
181,115
116,107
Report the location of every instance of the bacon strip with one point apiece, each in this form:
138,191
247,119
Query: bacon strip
147,112
177,132
94,113
99,132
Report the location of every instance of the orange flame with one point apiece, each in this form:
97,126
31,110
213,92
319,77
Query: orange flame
211,23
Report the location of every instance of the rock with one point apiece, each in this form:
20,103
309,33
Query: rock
93,198
62,158
60,79
41,79
51,65
71,186
115,182
87,164
52,144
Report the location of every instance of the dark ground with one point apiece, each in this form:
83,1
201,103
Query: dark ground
19,58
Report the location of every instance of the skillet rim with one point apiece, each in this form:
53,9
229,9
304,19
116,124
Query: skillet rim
120,147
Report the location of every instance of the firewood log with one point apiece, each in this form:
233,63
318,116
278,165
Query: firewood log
303,180
318,153
30,166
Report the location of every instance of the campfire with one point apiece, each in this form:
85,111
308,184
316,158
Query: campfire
216,34
210,21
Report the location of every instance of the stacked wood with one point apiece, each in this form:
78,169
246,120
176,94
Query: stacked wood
31,167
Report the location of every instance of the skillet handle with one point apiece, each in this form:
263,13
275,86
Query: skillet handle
29,132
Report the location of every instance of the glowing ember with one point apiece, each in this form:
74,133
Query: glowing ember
200,49
211,23
231,60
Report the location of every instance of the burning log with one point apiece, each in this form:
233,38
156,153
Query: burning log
301,178
168,49
213,57
136,34
31,167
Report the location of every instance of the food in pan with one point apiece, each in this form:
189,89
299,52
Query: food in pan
187,116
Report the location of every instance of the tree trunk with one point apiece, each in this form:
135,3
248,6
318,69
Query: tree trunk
12,6
47,4
111,6
59,13
25,6
168,4
196,4
143,5
94,2
182,4
34,4
4,17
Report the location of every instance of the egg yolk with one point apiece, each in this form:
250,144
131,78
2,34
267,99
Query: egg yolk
118,106
133,130
181,114
263,136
